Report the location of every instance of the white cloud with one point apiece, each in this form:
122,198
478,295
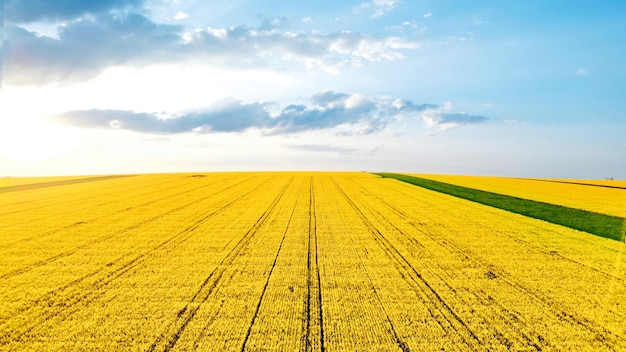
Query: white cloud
427,15
404,26
379,7
181,16
307,20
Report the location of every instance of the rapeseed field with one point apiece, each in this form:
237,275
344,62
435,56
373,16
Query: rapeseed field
295,262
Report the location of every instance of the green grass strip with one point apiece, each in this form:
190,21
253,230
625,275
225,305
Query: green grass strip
594,223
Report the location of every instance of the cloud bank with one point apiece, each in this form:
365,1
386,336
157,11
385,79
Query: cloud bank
355,113
86,46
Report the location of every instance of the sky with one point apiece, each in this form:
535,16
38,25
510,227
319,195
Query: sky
526,88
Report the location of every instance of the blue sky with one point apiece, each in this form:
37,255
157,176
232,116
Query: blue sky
526,88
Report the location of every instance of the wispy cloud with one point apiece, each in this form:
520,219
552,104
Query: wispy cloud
582,72
321,148
355,113
477,21
406,25
428,15
333,149
131,39
379,7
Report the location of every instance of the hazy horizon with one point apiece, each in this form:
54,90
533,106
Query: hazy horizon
527,89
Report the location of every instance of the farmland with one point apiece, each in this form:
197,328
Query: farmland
294,261
605,197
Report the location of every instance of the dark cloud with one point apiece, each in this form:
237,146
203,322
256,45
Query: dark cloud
327,110
23,11
228,117
87,46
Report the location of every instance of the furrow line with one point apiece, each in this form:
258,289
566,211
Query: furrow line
167,341
408,271
313,329
403,346
267,281
509,319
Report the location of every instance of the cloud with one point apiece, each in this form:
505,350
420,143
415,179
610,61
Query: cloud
582,72
229,116
87,46
333,149
350,113
477,21
379,7
443,120
404,26
181,16
427,15
25,11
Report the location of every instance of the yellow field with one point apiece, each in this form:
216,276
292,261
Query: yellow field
586,195
296,262
14,181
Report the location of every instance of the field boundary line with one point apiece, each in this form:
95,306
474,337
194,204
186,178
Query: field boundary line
31,186
597,224
570,182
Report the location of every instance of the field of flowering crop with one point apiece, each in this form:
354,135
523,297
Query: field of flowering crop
295,262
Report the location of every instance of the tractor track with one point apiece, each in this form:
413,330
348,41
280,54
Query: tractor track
167,340
269,275
417,281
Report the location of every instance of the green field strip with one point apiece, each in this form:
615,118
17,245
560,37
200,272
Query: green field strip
31,186
594,223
